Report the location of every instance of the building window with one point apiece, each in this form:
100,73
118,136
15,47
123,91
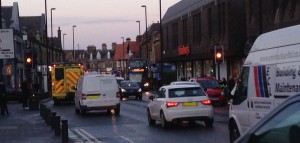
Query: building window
189,70
197,69
175,35
185,32
197,28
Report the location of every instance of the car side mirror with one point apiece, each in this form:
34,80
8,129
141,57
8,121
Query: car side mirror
205,89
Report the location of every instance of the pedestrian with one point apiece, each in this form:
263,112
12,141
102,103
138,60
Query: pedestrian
223,83
3,98
25,94
231,83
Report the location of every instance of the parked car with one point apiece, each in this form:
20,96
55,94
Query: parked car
180,103
184,83
213,90
281,125
97,92
130,88
119,80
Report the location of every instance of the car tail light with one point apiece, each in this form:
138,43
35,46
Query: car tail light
206,102
171,104
83,97
118,94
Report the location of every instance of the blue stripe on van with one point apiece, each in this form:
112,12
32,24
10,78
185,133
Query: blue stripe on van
260,77
265,82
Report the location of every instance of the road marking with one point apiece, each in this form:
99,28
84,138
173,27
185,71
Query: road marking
87,136
127,139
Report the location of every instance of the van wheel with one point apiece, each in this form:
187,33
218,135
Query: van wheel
164,123
150,120
209,122
234,132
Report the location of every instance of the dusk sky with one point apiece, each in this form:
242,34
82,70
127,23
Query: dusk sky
97,21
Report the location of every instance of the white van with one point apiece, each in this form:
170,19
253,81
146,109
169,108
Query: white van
270,74
97,92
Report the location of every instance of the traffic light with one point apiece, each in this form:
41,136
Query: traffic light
219,54
28,60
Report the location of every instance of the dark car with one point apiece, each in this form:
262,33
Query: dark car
130,88
13,94
212,88
281,125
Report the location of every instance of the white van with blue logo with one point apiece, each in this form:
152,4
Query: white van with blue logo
270,74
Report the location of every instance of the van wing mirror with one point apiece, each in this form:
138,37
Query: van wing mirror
74,87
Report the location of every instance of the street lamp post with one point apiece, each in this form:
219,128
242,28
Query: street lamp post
146,30
161,45
122,59
140,38
52,35
47,48
73,43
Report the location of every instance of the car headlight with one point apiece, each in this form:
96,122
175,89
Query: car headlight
123,90
140,90
146,84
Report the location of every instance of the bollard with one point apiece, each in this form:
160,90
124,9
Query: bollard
48,116
57,125
43,109
64,132
53,114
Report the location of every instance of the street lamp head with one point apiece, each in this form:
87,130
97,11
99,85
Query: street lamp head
144,6
138,21
74,25
53,8
64,34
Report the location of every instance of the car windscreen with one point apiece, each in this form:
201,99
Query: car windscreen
129,84
208,83
186,92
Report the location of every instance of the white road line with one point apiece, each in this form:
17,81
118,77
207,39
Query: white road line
89,135
82,135
127,139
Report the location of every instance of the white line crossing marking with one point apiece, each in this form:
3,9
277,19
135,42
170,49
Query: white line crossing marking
127,139
87,136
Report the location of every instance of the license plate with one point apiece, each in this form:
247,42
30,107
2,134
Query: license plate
93,97
190,104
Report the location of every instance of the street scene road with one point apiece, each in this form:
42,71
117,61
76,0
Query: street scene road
131,126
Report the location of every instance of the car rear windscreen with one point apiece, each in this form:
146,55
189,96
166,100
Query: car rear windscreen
186,92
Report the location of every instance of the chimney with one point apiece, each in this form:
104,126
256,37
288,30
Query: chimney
113,46
104,47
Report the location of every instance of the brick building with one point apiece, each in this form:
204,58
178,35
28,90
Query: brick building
193,28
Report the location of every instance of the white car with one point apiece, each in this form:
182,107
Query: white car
180,103
97,92
184,83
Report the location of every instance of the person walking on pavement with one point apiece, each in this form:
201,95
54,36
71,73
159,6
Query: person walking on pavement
25,94
3,98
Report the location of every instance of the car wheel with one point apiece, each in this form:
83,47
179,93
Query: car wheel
163,121
108,111
150,120
82,112
234,132
77,110
209,122
141,97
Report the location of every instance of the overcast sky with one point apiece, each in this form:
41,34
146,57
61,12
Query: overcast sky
97,21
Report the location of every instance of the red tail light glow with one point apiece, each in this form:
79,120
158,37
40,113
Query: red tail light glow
83,97
206,102
171,104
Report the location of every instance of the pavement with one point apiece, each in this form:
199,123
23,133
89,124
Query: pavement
25,126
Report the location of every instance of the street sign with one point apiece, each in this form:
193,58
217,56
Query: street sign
6,44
